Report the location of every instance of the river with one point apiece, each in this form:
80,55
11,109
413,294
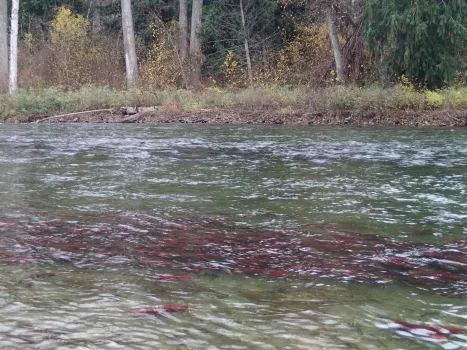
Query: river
274,237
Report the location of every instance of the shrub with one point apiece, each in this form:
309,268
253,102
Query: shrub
455,98
306,57
161,69
72,57
433,99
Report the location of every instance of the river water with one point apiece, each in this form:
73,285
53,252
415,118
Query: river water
285,237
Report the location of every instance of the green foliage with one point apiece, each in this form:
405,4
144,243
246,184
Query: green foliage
425,40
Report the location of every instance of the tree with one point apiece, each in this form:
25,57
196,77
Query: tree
3,45
344,28
336,46
247,47
131,60
425,40
183,26
244,31
96,16
195,42
13,77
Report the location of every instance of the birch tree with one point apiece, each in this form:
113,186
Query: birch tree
13,77
195,42
3,45
131,61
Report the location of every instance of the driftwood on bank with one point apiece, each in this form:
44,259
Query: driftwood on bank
122,115
72,114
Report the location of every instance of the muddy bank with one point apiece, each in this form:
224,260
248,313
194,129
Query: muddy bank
439,118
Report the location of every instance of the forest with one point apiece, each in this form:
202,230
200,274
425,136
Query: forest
349,53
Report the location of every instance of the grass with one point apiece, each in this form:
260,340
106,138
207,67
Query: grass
56,100
397,97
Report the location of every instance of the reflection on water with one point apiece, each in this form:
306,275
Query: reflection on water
96,221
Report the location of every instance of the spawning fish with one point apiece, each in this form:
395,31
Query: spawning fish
160,310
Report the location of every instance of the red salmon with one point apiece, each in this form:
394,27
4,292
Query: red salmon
438,329
42,274
160,310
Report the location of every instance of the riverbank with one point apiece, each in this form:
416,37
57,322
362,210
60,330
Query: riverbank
399,105
441,118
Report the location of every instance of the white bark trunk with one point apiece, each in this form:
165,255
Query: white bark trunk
3,45
13,78
195,42
183,24
131,60
247,48
336,46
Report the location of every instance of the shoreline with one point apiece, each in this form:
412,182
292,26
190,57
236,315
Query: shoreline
357,117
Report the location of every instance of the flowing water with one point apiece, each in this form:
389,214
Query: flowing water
284,237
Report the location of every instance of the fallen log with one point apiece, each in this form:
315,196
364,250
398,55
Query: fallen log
72,114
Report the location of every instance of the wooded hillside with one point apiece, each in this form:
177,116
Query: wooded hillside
236,43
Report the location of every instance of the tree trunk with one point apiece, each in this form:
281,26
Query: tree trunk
13,79
195,43
96,17
3,45
183,24
247,48
336,46
356,8
264,55
131,60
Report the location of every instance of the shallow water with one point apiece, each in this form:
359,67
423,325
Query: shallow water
408,186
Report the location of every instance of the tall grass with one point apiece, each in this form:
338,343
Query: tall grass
56,100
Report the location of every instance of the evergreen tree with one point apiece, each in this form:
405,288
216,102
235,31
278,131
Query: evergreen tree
423,39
